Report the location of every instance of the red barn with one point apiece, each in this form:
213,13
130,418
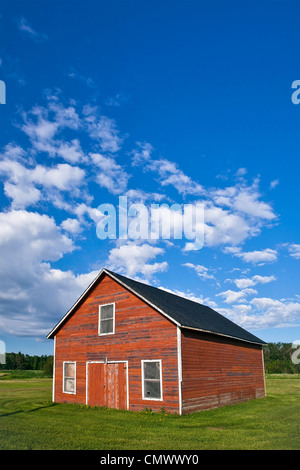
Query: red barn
128,345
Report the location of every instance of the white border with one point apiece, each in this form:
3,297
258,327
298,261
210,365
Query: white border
106,362
160,378
114,317
64,391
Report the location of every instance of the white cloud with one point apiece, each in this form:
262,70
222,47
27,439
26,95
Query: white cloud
248,203
244,200
142,154
132,259
103,130
264,312
29,242
36,124
232,214
42,124
241,172
93,213
223,227
31,310
21,229
231,296
294,250
141,196
267,255
264,256
274,183
170,174
28,30
63,176
71,225
201,271
22,195
13,152
110,174
27,186
249,282
64,116
276,313
70,151
168,171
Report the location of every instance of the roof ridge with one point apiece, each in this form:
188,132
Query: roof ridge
155,287
250,337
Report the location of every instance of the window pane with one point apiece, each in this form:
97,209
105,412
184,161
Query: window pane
106,326
151,370
152,389
69,385
107,311
70,370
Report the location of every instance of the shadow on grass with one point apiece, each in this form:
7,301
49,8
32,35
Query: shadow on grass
27,411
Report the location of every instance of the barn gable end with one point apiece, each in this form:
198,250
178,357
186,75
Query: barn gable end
140,334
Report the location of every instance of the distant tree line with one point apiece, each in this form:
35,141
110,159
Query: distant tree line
278,358
19,361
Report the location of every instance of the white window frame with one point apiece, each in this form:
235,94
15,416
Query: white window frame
64,377
160,380
99,319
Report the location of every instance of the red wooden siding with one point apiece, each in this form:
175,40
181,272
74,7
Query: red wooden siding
141,333
218,371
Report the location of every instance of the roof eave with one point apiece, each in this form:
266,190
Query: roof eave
260,343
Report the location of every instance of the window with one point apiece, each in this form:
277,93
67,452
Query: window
107,319
69,382
152,380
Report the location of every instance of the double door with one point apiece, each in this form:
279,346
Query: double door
107,384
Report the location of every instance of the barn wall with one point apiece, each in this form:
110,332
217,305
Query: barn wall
141,333
217,371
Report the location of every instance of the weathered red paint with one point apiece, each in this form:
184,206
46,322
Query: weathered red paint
215,370
219,371
107,384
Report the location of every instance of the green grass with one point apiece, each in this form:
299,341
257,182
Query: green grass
21,374
29,420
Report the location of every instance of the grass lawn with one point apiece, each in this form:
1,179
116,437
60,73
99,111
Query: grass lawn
29,420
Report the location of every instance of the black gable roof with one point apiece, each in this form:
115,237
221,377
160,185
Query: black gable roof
185,312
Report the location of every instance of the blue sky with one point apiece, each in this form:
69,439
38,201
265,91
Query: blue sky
164,102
